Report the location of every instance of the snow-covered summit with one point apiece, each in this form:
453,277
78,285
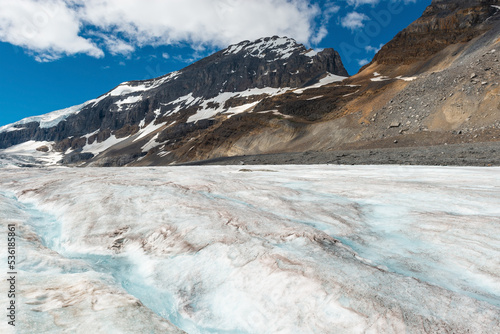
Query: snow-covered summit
53,118
281,47
47,120
169,112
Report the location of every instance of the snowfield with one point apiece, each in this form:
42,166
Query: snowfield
237,249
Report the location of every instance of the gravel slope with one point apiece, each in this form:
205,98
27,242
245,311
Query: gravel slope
474,154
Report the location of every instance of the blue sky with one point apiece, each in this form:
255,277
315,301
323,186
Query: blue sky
59,53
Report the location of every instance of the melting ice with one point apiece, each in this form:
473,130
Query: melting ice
275,249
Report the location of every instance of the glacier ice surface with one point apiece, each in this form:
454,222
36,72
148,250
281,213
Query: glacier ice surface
274,249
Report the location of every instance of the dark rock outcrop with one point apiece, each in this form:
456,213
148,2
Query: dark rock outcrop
444,22
76,157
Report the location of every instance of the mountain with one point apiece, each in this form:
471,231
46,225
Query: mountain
435,84
430,96
139,119
443,23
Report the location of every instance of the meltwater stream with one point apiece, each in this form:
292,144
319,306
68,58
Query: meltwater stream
125,272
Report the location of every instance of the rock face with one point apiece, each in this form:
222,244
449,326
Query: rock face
443,23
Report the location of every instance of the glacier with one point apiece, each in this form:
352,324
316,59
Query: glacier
254,249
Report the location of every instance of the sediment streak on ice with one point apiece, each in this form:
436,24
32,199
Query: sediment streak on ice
285,249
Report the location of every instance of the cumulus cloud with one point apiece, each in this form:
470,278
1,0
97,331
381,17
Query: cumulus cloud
54,28
354,20
357,3
363,62
362,2
216,23
373,49
115,45
328,10
48,28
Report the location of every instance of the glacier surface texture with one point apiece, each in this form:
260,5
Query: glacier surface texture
237,249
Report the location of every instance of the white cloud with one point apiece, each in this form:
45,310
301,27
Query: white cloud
119,47
189,58
363,62
329,8
362,2
373,49
54,28
320,34
116,46
354,20
48,28
357,3
216,23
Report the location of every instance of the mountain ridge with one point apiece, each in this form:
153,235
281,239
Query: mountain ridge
273,96
443,23
223,83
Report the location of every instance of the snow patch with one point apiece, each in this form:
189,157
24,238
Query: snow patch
163,153
88,135
221,99
125,89
350,94
128,100
128,87
96,148
311,53
328,79
203,114
380,78
10,128
29,150
241,109
282,46
182,102
315,98
274,112
147,130
47,120
261,91
406,78
151,144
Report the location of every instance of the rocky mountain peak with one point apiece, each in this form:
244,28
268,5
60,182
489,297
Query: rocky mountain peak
160,115
266,62
443,23
276,47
